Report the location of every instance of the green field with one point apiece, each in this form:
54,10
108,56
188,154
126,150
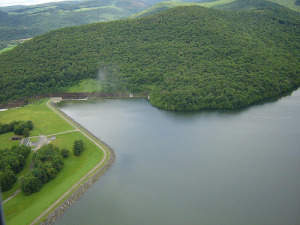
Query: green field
94,8
23,209
9,47
45,121
86,85
5,139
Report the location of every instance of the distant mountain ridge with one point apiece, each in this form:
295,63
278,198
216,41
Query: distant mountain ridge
187,58
221,4
19,22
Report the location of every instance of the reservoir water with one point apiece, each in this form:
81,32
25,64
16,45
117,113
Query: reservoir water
234,167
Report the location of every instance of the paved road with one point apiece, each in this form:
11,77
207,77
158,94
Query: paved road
41,142
82,179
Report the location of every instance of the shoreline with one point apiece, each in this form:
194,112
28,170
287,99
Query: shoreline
71,96
55,212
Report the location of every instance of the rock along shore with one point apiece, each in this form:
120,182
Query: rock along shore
76,195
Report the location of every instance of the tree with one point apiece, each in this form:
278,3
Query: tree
26,132
29,125
30,184
65,153
57,162
21,149
41,174
19,128
78,147
12,161
48,161
7,179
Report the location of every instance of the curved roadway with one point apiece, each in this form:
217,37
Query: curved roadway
82,179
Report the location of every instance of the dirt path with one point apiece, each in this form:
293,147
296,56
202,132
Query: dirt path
70,131
13,195
82,179
48,135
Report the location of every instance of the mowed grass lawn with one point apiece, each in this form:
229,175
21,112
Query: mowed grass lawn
86,85
45,121
23,209
5,141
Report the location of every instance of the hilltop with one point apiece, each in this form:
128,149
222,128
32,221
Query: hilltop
187,58
220,4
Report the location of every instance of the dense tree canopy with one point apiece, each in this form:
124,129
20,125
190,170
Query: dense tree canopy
12,161
18,127
187,58
47,163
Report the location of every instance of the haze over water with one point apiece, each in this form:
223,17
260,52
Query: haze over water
212,167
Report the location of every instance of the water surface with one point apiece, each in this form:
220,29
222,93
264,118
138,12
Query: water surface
235,167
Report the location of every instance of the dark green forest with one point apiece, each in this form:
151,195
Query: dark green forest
187,58
18,127
12,161
48,161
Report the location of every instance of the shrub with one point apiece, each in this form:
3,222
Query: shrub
65,153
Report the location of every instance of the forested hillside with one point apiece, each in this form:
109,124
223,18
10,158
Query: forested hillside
187,58
19,22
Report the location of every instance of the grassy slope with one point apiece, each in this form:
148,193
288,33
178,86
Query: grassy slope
5,139
23,209
86,85
9,47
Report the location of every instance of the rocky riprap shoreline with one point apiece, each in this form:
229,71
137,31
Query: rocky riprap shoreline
76,195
